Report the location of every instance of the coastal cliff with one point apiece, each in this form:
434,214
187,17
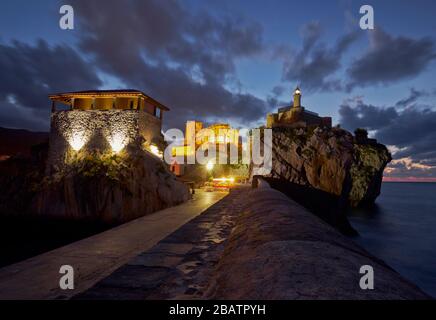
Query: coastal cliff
331,160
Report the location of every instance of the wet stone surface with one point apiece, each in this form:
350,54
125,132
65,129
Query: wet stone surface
181,265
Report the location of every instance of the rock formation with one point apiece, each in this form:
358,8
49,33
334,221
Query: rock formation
330,160
112,188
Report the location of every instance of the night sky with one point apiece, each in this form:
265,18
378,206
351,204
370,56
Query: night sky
234,61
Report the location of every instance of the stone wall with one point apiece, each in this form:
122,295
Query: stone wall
93,130
296,117
278,250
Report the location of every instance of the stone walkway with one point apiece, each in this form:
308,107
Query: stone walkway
181,265
253,244
97,257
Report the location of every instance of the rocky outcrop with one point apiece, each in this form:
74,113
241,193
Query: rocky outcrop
330,160
110,188
278,250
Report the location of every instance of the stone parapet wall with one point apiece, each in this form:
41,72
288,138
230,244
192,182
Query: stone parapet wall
97,130
296,117
279,250
253,244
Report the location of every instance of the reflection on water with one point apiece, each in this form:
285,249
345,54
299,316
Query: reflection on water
401,229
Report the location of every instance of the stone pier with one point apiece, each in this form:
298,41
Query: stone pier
253,244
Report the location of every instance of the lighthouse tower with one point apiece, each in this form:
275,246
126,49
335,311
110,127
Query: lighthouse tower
296,116
297,98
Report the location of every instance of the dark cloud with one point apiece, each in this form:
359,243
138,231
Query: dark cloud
14,116
413,97
354,113
274,100
184,59
311,33
412,130
28,74
278,90
314,66
390,59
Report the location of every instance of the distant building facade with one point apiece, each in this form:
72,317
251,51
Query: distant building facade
102,121
221,136
296,115
197,136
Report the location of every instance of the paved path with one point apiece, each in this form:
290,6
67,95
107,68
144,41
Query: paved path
181,265
96,257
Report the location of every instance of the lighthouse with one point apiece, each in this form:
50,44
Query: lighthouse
297,98
296,116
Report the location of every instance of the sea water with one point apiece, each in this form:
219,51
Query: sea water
401,230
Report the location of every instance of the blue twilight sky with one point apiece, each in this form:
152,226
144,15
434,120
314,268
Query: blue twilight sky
234,61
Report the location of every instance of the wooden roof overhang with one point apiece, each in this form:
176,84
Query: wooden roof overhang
67,97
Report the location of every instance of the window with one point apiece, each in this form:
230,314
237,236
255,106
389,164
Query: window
157,112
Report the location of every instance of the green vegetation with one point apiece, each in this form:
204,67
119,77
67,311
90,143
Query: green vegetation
110,165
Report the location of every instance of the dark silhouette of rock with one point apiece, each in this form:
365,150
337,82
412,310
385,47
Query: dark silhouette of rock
20,177
19,141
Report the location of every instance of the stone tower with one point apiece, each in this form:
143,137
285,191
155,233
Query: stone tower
297,98
103,121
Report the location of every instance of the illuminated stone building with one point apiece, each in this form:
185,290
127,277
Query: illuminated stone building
197,136
220,136
103,121
296,115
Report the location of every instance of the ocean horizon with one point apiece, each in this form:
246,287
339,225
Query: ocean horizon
401,230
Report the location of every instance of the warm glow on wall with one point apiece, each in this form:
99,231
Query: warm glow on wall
155,150
117,141
230,179
209,166
181,151
77,140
